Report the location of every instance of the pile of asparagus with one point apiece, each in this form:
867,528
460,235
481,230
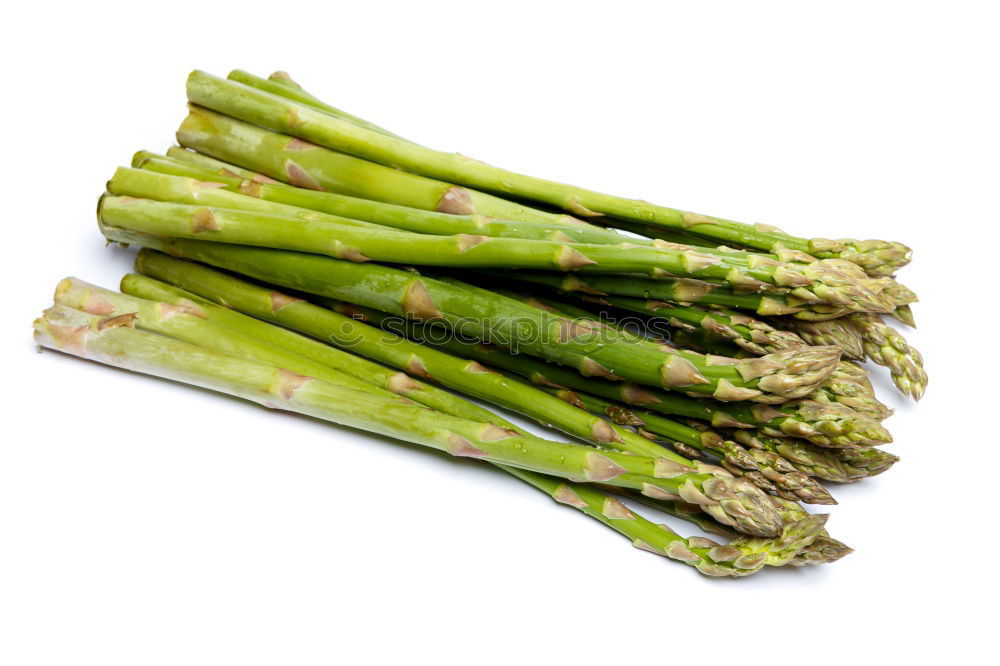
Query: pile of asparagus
303,258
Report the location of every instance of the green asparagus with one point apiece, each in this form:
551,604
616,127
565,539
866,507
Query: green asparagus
284,115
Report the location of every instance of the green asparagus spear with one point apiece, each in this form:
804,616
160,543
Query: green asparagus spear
360,241
453,372
284,115
282,85
773,378
804,539
304,165
325,325
680,290
820,420
378,212
115,341
707,556
766,469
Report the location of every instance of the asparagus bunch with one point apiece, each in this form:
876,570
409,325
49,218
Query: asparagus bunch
702,366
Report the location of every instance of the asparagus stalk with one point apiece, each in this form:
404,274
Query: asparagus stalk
337,329
304,165
598,505
193,158
751,335
844,386
262,302
885,346
682,290
282,85
115,341
766,469
359,241
820,420
773,378
705,555
187,322
343,206
804,539
804,456
453,372
283,115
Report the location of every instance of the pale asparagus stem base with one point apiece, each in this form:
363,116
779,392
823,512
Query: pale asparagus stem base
284,115
773,378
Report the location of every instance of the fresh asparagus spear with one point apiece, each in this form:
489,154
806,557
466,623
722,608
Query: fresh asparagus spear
304,165
188,323
115,341
707,556
453,372
194,158
804,539
751,335
680,290
843,386
186,317
820,420
788,374
284,115
360,241
281,84
299,314
378,212
766,469
884,345
800,454
606,509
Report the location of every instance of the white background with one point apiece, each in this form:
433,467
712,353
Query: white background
146,523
